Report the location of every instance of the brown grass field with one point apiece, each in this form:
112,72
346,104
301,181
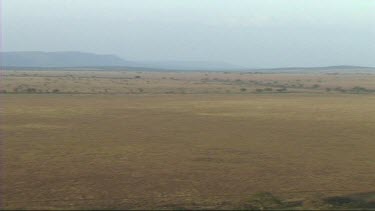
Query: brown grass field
184,141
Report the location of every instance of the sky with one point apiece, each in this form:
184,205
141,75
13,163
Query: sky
249,33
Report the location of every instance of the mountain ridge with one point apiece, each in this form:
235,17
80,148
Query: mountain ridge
76,59
83,59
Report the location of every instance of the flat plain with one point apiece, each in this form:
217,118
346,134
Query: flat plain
165,140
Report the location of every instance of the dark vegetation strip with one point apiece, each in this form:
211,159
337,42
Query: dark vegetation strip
178,196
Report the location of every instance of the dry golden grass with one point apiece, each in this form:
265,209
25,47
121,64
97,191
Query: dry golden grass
127,82
182,151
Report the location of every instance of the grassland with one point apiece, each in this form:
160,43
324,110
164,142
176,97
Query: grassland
204,148
131,82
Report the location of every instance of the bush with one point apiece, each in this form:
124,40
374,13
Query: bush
315,86
30,90
339,89
282,89
319,202
263,201
268,89
359,89
344,202
314,202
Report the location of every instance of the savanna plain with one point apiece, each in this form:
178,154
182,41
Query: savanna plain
89,139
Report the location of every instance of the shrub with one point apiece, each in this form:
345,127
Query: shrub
263,201
339,89
30,90
268,89
345,202
315,86
316,201
359,89
282,89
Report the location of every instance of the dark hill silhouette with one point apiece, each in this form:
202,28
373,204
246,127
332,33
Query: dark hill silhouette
81,59
74,60
58,59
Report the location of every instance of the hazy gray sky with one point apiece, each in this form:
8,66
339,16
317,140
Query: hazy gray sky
252,33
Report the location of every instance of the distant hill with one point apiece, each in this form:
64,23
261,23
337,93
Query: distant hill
327,69
29,59
186,65
58,59
74,60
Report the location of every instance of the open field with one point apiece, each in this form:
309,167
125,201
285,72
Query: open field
131,82
164,149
